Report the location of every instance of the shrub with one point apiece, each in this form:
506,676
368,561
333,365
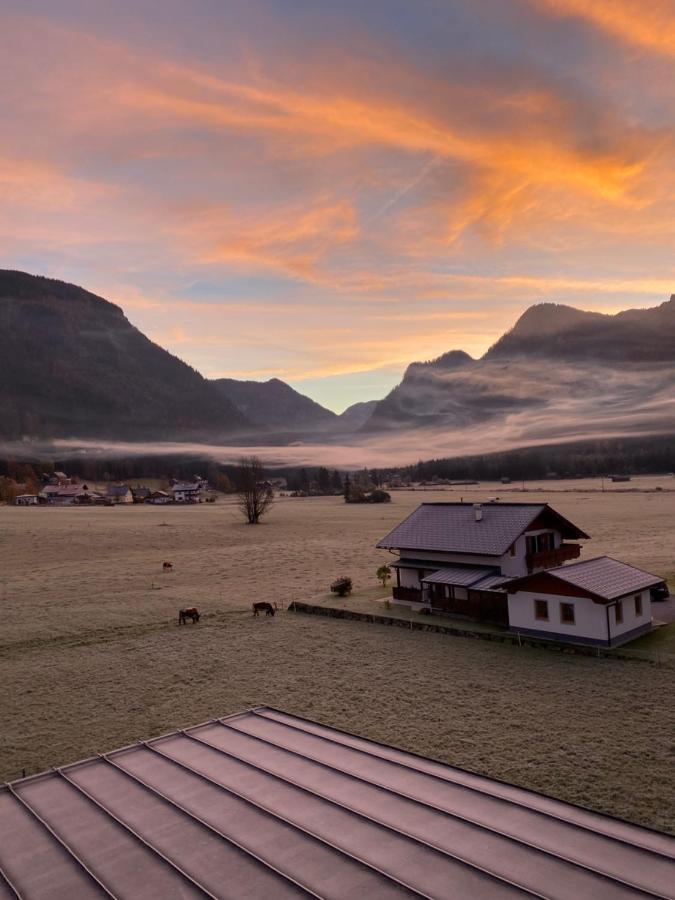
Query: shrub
342,586
379,496
384,574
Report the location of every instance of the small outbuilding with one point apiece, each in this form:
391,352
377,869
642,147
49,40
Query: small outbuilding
599,601
26,500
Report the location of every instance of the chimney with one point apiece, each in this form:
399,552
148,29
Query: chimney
478,512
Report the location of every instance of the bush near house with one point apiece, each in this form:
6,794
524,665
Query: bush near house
342,586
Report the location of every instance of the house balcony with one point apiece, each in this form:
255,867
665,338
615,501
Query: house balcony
548,559
407,594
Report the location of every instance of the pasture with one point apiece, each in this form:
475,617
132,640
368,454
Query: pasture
91,656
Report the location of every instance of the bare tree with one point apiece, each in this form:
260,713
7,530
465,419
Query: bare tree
255,495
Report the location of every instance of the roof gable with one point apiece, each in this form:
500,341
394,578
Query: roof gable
452,527
603,579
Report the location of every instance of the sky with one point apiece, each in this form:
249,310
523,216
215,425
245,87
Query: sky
324,191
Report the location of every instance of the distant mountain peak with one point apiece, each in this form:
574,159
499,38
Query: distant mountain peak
72,365
548,318
273,404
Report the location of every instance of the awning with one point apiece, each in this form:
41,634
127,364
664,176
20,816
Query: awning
462,577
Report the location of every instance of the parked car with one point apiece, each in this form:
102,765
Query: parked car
660,592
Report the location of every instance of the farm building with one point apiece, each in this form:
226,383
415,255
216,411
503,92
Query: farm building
598,601
508,564
456,556
26,500
187,492
159,498
68,494
119,493
264,804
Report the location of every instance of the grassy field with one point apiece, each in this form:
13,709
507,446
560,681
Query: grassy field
91,657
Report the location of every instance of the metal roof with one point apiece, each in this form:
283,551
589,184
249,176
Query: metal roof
605,577
452,527
264,804
458,575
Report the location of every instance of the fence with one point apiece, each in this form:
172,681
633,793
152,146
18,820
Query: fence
655,657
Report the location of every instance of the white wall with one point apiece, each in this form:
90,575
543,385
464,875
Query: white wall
590,617
630,620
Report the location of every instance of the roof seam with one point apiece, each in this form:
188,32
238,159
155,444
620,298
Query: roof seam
476,789
365,816
453,815
6,879
71,853
293,825
136,835
205,824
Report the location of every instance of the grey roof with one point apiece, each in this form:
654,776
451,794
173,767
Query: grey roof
605,577
118,490
491,583
452,528
458,575
264,804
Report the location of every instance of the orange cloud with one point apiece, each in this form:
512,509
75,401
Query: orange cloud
644,24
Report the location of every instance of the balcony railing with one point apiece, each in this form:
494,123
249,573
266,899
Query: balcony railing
548,559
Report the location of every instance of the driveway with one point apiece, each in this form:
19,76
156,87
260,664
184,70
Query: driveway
664,611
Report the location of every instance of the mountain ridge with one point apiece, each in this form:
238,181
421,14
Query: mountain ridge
71,364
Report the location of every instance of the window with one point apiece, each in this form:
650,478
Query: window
567,613
512,549
638,604
541,610
618,612
531,544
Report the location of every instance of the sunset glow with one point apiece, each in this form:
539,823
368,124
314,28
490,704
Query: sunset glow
326,192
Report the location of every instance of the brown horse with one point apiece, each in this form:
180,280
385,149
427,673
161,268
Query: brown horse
259,607
191,613
167,567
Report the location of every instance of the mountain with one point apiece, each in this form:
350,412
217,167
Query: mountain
552,330
559,373
356,415
276,405
72,365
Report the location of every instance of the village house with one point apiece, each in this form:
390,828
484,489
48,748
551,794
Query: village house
67,494
187,492
119,493
26,500
504,563
140,493
159,498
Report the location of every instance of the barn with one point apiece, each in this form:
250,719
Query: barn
264,804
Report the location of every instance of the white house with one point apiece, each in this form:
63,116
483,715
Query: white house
188,492
599,601
457,557
26,500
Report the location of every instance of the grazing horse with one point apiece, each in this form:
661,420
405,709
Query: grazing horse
167,567
259,607
191,613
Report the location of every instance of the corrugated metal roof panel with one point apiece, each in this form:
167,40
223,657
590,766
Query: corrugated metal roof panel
265,804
